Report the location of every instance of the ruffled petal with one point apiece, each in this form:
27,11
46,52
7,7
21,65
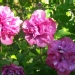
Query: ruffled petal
7,40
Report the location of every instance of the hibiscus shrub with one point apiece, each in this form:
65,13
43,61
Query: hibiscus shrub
37,38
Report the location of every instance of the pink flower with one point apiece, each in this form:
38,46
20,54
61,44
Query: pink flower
9,25
12,69
38,29
61,56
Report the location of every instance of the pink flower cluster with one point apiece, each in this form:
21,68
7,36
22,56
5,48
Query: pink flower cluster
61,56
9,25
38,29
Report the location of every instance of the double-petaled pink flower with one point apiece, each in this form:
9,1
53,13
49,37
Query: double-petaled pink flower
38,29
61,56
9,25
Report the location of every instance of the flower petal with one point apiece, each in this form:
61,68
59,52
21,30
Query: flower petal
7,40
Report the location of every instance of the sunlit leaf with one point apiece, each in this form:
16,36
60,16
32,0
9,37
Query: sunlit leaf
62,32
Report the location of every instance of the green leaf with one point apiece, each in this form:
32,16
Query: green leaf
20,57
62,32
16,62
48,12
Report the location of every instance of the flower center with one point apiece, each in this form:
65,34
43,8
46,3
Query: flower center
31,30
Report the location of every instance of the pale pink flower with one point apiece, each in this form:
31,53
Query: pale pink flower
9,25
38,29
61,56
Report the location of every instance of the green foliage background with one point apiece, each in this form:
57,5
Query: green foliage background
32,59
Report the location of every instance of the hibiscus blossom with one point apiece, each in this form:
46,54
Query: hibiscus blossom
38,29
9,25
61,56
12,69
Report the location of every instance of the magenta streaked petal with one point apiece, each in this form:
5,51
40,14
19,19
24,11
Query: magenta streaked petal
63,73
39,13
30,39
7,40
39,42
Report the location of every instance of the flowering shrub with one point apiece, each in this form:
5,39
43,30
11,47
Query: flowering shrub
12,69
9,25
61,56
38,29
